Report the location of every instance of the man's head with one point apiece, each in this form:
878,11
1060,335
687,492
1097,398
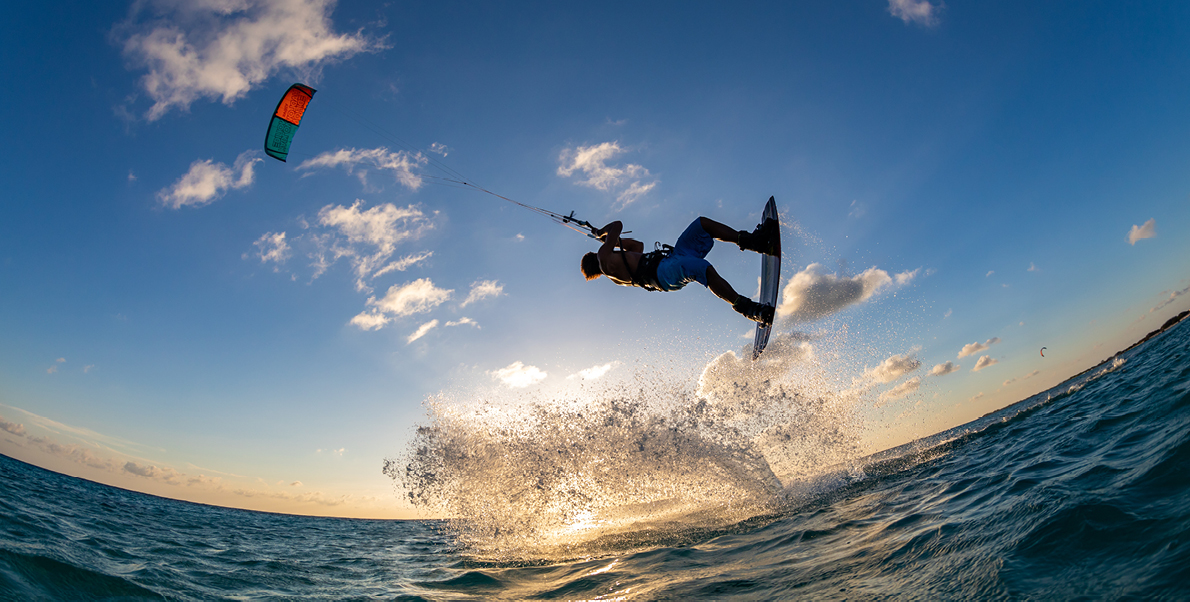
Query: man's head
591,266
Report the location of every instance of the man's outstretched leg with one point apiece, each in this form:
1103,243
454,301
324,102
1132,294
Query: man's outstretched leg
745,306
762,240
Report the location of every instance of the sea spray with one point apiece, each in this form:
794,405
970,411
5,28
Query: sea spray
528,476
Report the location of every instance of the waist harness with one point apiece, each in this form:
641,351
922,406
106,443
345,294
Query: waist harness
645,275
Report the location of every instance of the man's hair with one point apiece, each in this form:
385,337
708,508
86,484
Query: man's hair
591,266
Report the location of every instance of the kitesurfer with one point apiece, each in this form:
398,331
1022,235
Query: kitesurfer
624,261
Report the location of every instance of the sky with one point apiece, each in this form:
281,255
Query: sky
960,184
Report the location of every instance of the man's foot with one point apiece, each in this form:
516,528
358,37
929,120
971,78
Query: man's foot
753,310
766,238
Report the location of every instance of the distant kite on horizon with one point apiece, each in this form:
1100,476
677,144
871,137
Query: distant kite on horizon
1043,351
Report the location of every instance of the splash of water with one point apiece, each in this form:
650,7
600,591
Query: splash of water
661,453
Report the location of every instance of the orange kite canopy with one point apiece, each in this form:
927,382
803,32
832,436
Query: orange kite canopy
286,120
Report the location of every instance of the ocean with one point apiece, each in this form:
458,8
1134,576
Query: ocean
1079,492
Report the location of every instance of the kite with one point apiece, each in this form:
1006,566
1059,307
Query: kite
286,120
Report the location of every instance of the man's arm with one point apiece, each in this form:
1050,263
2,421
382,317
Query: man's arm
632,245
610,235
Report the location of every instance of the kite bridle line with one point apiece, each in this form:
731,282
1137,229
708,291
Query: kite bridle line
457,178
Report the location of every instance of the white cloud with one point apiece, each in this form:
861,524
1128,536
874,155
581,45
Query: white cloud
206,181
1008,382
990,272
976,396
906,277
402,164
149,471
12,427
402,300
949,312
421,331
74,453
976,347
1172,297
1031,375
271,246
225,48
517,375
463,321
944,369
811,294
920,12
893,368
370,320
481,290
368,238
440,149
627,180
403,263
983,362
1033,268
901,390
857,209
594,372
1146,230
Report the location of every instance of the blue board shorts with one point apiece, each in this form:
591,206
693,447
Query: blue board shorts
687,263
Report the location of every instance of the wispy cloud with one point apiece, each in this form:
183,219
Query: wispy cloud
165,474
402,300
402,164
857,209
812,294
944,369
12,427
1172,297
368,238
892,368
629,181
517,375
976,347
421,331
482,289
223,49
463,321
594,372
983,362
74,453
919,12
207,181
271,247
901,390
1143,231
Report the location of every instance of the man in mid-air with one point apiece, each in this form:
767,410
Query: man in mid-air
624,261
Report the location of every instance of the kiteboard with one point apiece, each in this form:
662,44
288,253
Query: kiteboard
770,279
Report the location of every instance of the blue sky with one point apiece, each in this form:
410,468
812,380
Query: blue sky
960,183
